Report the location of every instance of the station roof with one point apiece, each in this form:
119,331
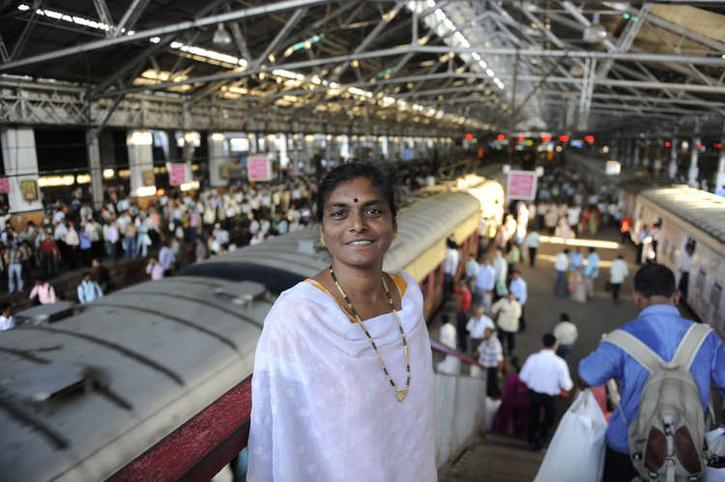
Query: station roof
593,65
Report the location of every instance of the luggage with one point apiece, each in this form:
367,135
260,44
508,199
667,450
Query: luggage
576,453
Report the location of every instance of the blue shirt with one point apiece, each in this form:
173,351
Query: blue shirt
661,328
485,278
89,291
518,288
591,270
576,259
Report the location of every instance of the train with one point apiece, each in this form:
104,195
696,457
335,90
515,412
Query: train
152,382
685,216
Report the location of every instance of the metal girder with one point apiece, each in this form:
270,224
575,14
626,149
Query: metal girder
369,38
585,101
4,54
281,35
625,41
129,19
238,37
574,12
104,15
162,31
25,34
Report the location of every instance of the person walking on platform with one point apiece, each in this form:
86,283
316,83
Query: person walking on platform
501,272
471,271
521,293
591,272
336,401
532,244
617,273
661,328
566,334
490,355
476,326
450,267
14,259
485,283
684,269
547,376
464,299
506,312
561,265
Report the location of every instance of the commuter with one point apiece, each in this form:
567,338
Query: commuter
154,269
7,320
512,416
471,270
490,355
617,273
167,257
521,293
532,243
512,257
200,250
14,259
625,226
506,312
129,237
463,312
101,274
450,266
307,338
642,237
485,283
685,264
591,272
476,326
576,259
72,242
573,214
661,328
111,238
566,334
48,253
43,291
561,265
547,376
500,269
88,290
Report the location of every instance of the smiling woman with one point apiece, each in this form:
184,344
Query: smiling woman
343,380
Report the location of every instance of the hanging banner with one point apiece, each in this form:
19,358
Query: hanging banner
259,168
521,185
177,173
4,185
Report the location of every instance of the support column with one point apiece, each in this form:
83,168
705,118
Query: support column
672,169
646,157
693,171
720,176
217,158
141,163
191,141
94,165
21,166
635,154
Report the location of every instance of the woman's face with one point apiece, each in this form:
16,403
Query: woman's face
357,224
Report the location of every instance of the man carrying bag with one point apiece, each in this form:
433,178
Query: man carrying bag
663,364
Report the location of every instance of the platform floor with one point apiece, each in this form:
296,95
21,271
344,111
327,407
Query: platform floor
499,458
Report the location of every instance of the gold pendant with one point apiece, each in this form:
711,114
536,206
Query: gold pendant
401,394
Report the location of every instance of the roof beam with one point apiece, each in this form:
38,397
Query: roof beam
281,35
625,41
162,31
129,19
104,15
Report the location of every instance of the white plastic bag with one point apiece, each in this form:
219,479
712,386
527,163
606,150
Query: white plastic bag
489,413
716,442
576,453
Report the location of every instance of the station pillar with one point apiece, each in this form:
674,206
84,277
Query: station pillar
215,143
693,171
94,166
672,168
21,166
191,141
635,154
141,163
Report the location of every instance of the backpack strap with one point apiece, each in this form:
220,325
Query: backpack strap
690,346
636,349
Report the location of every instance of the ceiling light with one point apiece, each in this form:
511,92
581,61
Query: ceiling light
155,40
23,7
221,36
595,32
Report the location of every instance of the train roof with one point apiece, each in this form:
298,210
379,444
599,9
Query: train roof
700,208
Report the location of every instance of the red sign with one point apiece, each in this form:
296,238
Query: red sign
177,174
500,137
521,138
521,185
589,139
545,137
4,185
564,138
468,136
259,168
668,144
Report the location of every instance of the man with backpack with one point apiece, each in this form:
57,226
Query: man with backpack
663,364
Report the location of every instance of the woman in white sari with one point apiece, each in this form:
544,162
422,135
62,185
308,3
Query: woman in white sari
343,382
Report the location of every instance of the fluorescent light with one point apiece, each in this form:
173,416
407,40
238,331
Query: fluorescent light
155,40
140,138
23,7
108,173
144,191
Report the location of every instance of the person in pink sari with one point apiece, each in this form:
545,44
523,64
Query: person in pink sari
512,417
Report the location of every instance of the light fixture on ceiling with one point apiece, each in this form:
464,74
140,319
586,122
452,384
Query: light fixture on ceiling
221,36
595,32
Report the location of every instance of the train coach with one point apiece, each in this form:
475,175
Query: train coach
153,382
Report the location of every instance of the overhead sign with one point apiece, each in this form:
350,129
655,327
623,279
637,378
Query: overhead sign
177,173
259,168
613,168
4,185
521,185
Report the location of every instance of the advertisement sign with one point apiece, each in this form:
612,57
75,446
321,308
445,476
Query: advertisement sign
177,173
259,168
4,185
29,188
521,185
613,168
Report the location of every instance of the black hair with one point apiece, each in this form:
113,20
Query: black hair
564,317
348,172
566,250
445,318
592,249
548,340
654,279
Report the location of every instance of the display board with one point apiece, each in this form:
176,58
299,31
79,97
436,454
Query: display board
521,185
259,168
177,173
4,185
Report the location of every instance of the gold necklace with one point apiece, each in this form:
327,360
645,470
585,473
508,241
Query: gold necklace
399,394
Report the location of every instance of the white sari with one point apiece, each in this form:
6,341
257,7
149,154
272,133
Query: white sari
322,409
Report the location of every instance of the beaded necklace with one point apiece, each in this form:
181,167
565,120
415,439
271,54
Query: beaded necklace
399,394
